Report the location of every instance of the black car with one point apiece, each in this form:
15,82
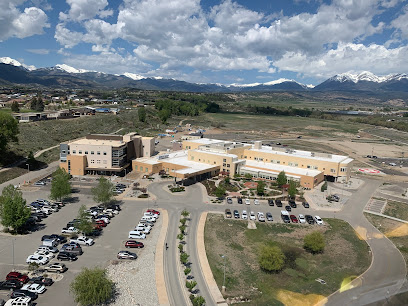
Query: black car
292,204
60,239
309,219
24,293
270,202
305,204
285,219
239,200
236,214
95,233
278,203
115,206
66,256
45,237
10,284
41,280
288,208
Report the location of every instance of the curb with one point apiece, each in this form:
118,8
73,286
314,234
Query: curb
205,266
159,261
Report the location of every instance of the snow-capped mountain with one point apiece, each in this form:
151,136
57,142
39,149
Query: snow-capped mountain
367,76
69,69
134,76
11,61
279,84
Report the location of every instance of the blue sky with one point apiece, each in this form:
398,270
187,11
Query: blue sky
243,41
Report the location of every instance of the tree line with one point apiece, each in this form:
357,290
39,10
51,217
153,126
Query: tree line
290,111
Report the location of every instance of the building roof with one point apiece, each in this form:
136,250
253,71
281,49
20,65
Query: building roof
209,151
97,142
250,164
268,172
205,141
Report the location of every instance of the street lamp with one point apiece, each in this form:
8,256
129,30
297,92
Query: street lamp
223,284
12,243
28,165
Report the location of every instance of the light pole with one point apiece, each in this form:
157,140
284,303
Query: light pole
223,284
12,243
28,165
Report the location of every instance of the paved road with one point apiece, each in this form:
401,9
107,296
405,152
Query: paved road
387,272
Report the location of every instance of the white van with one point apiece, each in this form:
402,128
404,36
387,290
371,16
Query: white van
136,235
45,248
50,242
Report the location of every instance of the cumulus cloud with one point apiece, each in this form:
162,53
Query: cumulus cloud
347,57
85,9
401,24
66,37
21,24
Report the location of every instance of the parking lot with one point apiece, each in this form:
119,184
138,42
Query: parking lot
105,248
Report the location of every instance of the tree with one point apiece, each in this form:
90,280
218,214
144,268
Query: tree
292,189
92,287
181,248
260,188
281,179
60,184
8,130
14,212
180,237
141,112
184,258
33,103
324,187
164,114
219,192
198,300
185,213
227,180
190,285
39,106
182,229
85,224
248,176
187,271
314,242
183,221
14,107
31,159
103,192
271,258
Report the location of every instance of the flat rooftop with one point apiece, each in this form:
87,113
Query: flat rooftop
97,142
255,165
206,141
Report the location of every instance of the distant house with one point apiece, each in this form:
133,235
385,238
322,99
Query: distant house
102,110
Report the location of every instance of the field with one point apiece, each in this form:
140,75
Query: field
296,283
397,210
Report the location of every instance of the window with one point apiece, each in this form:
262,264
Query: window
333,170
104,153
98,153
63,151
315,167
80,152
228,165
343,169
245,156
199,159
147,169
135,168
98,161
73,151
224,160
309,167
192,157
92,161
86,152
223,165
214,163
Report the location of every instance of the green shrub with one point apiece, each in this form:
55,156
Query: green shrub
314,242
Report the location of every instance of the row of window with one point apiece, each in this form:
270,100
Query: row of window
141,169
98,161
86,152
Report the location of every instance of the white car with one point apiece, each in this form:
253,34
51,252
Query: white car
244,215
47,254
36,288
136,235
261,217
301,218
20,301
252,216
247,201
148,214
318,220
142,229
144,225
256,202
105,219
83,240
114,211
69,230
38,259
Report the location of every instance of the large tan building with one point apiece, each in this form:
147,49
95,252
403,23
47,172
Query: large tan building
307,168
104,154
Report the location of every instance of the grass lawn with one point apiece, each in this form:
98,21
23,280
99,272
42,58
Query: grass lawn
345,256
397,210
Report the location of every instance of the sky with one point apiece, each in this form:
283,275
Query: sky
210,41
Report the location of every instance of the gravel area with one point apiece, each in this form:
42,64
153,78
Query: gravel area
135,280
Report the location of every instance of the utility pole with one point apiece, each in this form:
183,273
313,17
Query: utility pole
28,165
12,242
223,284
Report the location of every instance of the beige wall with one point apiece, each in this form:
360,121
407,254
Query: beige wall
93,160
148,145
78,163
225,163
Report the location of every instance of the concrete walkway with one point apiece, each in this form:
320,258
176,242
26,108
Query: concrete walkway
159,261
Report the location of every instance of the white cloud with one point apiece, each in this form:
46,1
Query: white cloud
66,37
38,51
347,57
85,9
14,23
401,24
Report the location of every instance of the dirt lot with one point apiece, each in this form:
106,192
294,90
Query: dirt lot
296,283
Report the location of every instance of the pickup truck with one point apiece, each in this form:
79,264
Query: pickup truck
83,240
69,230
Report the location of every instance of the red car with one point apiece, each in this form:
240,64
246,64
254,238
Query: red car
133,244
17,276
293,219
153,211
98,226
101,223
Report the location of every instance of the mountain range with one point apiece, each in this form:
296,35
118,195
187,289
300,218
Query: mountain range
13,72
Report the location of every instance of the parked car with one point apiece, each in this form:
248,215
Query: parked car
24,293
56,267
228,213
133,244
69,230
270,202
305,204
288,208
47,254
309,219
229,200
301,218
247,201
101,223
46,281
72,249
261,217
18,276
82,240
318,220
10,284
244,215
269,216
136,235
252,216
126,255
236,214
239,200
285,216
66,256
292,204
294,219
38,259
278,203
142,229
36,288
19,301
150,223
156,212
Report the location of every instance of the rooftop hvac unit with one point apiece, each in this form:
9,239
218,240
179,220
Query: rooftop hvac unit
312,154
163,156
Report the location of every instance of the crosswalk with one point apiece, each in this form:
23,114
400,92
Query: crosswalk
376,205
